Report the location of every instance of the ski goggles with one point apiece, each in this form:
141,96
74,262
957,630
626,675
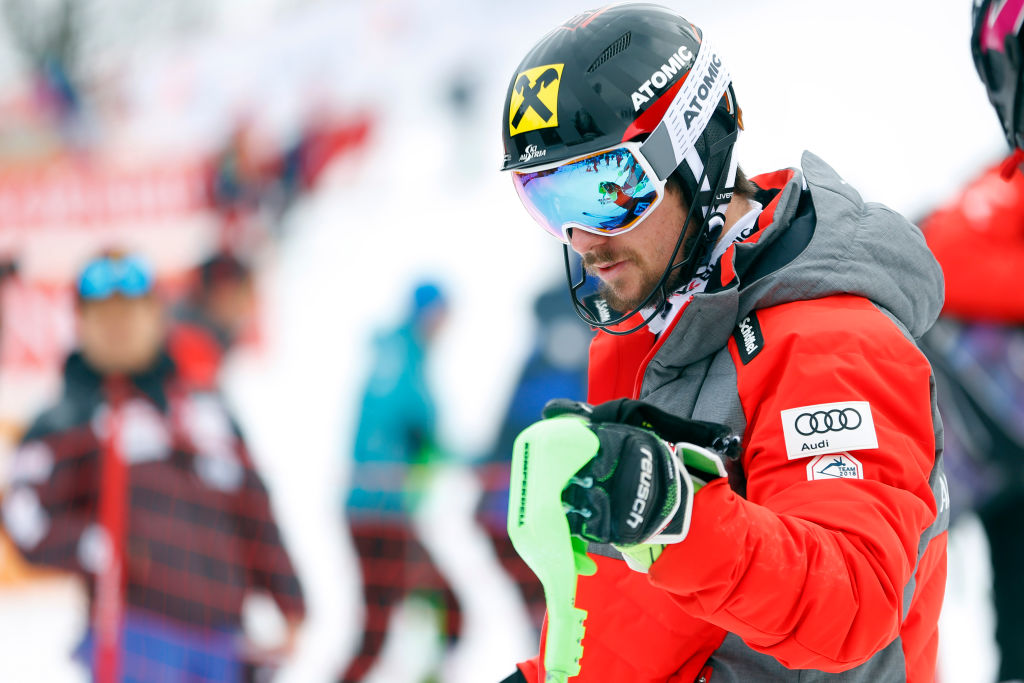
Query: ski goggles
109,275
605,193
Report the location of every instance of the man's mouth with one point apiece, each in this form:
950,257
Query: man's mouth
607,269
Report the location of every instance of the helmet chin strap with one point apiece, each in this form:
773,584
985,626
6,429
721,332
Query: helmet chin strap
695,262
714,214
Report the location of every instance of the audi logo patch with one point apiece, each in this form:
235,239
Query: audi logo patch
828,428
825,421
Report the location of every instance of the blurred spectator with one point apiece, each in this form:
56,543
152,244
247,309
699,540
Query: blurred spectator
12,566
256,179
977,352
462,98
324,138
143,486
395,451
50,40
242,181
8,269
218,309
239,173
556,366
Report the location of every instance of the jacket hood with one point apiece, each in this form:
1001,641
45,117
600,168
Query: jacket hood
816,237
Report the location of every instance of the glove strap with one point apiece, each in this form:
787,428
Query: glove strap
677,521
639,558
694,467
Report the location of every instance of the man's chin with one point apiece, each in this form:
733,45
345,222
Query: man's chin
618,300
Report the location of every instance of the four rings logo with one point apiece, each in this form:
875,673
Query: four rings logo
828,428
825,421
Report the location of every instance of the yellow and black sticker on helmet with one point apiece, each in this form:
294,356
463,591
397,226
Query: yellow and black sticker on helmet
534,101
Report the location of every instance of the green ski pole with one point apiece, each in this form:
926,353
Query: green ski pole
545,456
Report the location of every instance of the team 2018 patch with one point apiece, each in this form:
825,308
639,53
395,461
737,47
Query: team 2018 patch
828,428
836,466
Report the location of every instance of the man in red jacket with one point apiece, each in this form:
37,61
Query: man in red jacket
783,309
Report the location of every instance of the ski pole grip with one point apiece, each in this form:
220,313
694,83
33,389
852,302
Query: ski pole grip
545,456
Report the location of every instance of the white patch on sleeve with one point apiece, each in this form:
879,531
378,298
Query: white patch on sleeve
828,428
838,466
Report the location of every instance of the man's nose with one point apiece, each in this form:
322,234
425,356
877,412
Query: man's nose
582,241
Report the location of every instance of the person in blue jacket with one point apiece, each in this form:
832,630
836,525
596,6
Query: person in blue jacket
555,367
395,448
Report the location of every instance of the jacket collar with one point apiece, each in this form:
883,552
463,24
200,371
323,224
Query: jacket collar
83,382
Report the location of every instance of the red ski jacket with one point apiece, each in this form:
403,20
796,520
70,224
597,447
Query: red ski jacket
987,217
827,553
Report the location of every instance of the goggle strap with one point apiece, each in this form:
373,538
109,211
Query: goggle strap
657,149
688,114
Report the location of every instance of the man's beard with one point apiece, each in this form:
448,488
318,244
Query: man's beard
648,282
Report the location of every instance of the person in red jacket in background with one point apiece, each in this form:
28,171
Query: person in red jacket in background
977,347
977,351
216,312
765,325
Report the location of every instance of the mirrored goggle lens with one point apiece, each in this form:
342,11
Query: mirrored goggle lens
106,277
608,192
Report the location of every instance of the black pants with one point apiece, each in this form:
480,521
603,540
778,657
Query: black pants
1003,519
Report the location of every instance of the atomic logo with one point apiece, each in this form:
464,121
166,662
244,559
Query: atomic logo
534,102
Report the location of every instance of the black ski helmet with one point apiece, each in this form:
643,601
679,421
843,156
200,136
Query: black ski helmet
611,75
997,45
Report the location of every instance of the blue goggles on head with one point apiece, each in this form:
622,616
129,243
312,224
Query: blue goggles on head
109,275
606,193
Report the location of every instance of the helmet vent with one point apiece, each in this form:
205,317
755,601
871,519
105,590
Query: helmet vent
615,48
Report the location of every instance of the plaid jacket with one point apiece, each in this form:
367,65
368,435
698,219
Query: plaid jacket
198,531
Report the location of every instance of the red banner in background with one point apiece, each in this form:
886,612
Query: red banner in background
69,193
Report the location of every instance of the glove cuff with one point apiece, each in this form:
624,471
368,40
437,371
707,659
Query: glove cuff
702,463
677,521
